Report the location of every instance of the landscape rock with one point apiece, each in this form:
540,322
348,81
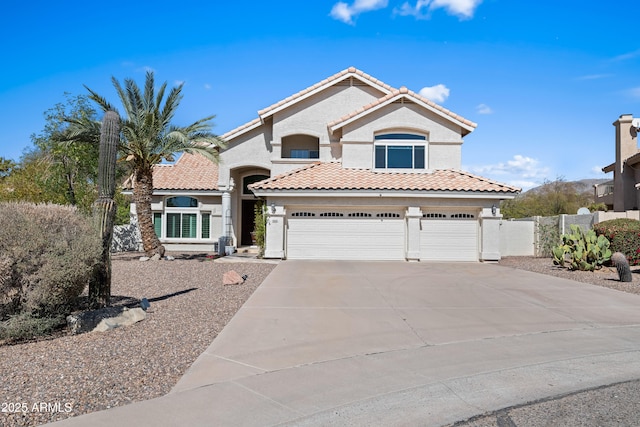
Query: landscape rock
232,278
126,318
144,258
169,258
156,257
104,319
87,320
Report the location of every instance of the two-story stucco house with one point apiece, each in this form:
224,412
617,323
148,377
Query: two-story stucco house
621,194
349,168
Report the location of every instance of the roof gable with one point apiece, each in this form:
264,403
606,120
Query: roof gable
406,94
349,73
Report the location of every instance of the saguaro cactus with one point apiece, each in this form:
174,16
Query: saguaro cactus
622,265
104,208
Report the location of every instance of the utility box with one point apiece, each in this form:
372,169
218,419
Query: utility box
222,243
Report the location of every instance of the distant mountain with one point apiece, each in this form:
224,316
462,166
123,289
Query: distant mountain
582,186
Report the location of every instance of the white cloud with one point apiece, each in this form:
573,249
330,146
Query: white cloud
521,171
597,170
345,13
627,56
438,93
594,76
634,92
463,9
207,86
179,82
484,109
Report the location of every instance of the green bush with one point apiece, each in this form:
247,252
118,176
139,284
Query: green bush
260,228
624,235
48,254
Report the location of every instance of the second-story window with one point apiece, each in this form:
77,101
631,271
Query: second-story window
300,146
400,151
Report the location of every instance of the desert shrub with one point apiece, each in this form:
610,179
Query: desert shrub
48,254
624,235
548,235
25,326
260,229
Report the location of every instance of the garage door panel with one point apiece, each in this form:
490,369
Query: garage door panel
349,239
449,240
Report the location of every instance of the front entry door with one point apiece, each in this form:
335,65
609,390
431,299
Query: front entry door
248,222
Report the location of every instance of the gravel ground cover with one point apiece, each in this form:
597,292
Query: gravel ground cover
65,376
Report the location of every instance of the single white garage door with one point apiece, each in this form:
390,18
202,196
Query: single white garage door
348,235
449,237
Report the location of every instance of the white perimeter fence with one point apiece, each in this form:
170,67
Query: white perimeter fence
535,236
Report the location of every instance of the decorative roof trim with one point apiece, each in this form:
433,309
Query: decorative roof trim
242,129
322,85
395,95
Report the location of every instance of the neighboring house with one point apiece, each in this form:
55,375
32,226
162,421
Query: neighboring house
622,193
349,168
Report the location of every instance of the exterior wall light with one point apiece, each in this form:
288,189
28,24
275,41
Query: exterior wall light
273,208
494,210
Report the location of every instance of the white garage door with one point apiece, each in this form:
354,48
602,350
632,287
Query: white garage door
447,236
349,235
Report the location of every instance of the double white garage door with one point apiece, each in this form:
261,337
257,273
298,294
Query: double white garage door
378,235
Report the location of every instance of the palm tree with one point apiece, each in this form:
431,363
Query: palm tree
148,138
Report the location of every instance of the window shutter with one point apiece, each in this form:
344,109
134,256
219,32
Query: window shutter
157,223
206,225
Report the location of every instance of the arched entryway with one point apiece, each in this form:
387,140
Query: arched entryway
247,208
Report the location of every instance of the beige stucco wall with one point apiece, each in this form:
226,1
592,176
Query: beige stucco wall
250,149
444,140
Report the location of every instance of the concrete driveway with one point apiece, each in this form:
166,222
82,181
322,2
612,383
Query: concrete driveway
394,343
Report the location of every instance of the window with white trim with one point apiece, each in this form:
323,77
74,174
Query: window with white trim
400,151
182,219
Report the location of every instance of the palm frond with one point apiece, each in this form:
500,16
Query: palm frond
102,102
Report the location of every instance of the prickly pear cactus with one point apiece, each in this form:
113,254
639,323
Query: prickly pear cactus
587,251
104,209
622,265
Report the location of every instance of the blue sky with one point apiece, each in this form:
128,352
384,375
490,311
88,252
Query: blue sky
543,79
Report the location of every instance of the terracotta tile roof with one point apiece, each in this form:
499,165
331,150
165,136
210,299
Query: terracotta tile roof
189,172
396,94
329,80
331,176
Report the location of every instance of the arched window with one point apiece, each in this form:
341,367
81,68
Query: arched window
398,150
300,147
181,202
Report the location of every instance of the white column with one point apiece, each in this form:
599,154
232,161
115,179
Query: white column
413,217
226,213
490,234
274,242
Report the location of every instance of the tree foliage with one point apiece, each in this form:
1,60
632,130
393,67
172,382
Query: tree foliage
6,166
552,198
147,138
71,168
56,169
